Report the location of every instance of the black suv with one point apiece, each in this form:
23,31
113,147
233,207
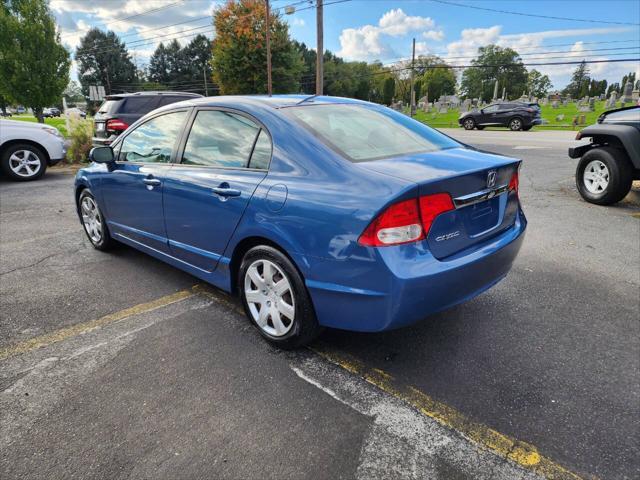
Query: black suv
611,161
119,111
515,115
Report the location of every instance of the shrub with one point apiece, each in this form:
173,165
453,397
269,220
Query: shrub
80,135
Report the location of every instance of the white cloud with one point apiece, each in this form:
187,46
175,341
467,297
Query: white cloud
368,43
436,35
298,22
397,23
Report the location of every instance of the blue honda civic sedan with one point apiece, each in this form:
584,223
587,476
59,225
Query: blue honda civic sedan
317,211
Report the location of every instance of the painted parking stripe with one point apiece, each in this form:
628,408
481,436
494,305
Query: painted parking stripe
520,453
80,328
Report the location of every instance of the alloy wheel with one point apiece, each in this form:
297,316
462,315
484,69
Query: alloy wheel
596,177
468,124
270,297
516,124
25,163
91,219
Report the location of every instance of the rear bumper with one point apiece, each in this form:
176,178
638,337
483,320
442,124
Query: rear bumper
406,284
534,121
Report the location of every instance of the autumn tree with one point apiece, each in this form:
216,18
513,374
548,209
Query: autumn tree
239,54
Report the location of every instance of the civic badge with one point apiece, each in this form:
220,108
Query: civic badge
491,179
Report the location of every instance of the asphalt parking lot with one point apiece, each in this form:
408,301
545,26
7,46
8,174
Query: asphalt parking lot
115,365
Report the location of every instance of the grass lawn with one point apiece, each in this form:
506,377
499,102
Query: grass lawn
57,122
450,119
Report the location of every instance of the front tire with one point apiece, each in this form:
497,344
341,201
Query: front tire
515,124
469,123
95,226
23,162
275,298
604,175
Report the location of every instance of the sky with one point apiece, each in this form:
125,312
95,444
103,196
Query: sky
367,30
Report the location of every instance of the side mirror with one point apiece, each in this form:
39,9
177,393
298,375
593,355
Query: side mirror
101,155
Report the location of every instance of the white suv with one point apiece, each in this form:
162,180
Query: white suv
26,149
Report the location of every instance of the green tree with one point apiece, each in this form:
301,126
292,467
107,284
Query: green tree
494,63
197,56
389,90
578,87
34,66
159,65
239,56
614,87
438,79
538,85
73,92
103,60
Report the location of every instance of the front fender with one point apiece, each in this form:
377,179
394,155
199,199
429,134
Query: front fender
627,135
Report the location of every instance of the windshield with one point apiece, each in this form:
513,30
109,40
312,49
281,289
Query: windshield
362,133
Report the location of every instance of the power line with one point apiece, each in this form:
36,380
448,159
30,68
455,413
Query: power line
549,17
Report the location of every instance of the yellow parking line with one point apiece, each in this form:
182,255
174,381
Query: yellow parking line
64,333
524,454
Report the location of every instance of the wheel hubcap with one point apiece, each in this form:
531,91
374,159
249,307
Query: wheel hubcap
469,124
596,177
515,125
91,219
269,297
24,163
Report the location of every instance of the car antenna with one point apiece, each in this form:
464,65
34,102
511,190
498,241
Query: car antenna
307,99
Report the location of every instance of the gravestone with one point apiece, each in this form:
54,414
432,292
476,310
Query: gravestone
627,92
582,119
466,105
555,104
592,104
560,117
443,110
635,95
611,103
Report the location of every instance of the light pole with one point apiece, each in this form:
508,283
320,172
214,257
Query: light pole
319,50
269,87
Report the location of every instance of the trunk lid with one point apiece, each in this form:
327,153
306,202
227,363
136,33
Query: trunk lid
478,184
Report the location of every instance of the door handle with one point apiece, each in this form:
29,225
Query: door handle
224,191
153,182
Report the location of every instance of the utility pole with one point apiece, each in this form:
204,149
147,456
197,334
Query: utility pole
204,75
269,87
319,49
412,100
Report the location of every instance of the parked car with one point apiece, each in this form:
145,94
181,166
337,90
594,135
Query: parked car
21,110
611,160
513,115
5,114
317,211
26,149
119,111
51,112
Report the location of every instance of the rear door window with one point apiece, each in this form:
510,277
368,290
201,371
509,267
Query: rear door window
224,139
167,100
154,140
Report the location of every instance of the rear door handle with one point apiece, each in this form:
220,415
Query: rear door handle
225,191
154,182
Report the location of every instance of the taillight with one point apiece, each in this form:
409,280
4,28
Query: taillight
400,223
514,183
433,205
116,125
406,221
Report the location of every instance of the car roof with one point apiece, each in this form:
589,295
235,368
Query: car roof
274,101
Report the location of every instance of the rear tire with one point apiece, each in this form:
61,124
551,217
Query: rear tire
469,123
604,175
275,298
23,162
515,124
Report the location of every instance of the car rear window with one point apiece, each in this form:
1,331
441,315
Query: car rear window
140,105
361,133
110,106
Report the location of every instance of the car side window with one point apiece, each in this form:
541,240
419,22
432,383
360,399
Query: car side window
261,152
153,141
491,109
505,106
222,139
